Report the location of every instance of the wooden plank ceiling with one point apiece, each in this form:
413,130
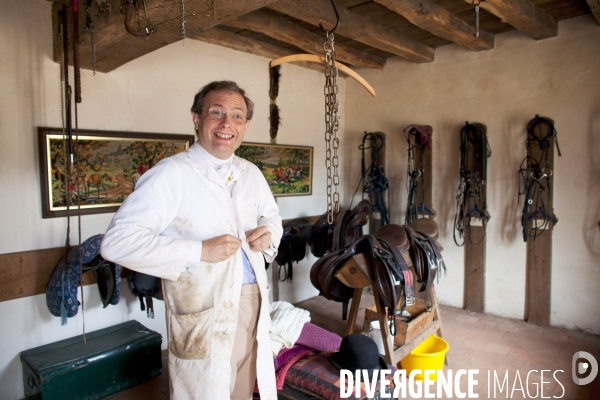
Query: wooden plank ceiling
369,33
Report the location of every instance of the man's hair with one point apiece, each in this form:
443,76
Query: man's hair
219,86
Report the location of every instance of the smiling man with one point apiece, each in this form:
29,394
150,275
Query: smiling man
203,220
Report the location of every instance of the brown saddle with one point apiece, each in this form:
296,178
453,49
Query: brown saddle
427,226
292,246
387,268
346,228
425,254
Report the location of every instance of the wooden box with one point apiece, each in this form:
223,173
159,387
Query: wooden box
113,359
405,331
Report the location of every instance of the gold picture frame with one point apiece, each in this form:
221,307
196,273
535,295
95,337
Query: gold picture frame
110,163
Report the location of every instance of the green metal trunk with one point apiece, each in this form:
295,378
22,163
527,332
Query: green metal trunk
113,359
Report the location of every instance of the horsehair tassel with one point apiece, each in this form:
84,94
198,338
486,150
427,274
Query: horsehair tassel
75,15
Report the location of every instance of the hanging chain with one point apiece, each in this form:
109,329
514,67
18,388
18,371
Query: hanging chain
182,19
331,126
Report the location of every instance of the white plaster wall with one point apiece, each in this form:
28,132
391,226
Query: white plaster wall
150,94
504,88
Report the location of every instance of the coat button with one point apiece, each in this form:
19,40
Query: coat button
227,331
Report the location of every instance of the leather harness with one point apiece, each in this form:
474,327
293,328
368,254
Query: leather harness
419,139
374,181
470,197
534,179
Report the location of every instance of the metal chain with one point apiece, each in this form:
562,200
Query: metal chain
331,126
182,19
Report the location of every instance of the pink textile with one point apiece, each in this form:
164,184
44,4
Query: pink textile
283,370
426,132
318,338
286,354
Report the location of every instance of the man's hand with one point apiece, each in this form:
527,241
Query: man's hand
219,248
259,238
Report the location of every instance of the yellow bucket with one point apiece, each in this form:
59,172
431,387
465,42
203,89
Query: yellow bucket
428,355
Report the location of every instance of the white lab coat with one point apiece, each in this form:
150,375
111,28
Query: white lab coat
159,230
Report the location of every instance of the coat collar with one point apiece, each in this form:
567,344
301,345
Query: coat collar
198,160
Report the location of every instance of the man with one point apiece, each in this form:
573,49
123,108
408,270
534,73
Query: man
203,220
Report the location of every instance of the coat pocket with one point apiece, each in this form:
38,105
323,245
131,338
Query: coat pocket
191,334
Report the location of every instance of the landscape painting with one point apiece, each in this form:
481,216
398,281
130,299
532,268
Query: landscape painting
287,169
109,164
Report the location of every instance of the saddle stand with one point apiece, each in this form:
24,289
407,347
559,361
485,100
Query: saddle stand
354,274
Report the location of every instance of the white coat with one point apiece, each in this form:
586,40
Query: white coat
159,231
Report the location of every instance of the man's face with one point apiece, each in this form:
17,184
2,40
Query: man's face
221,137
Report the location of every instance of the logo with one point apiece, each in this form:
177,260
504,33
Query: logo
584,368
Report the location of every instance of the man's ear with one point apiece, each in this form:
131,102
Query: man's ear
196,120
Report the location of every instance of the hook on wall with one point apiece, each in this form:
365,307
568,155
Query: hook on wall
337,19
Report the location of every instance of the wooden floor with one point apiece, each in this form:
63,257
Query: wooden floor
477,341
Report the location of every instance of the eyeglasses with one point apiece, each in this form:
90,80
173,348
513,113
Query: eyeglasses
236,116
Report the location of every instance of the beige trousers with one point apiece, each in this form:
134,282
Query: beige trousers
243,359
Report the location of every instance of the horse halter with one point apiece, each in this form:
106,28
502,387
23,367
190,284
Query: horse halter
470,196
374,181
534,178
418,139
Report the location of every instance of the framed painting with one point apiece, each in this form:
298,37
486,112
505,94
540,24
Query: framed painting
109,165
287,169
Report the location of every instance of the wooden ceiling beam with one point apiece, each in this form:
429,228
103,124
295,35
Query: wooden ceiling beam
283,30
355,27
524,15
595,8
429,16
115,47
221,37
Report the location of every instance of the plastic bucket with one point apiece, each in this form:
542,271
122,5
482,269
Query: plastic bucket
428,355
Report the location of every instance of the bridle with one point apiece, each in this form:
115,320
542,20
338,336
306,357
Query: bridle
534,179
374,181
470,196
419,139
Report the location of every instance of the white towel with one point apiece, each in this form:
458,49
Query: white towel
287,322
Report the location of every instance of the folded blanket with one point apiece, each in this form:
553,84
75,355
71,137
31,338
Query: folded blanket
285,354
287,322
294,356
317,338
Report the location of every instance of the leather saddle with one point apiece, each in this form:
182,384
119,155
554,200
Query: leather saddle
425,254
387,269
292,247
346,228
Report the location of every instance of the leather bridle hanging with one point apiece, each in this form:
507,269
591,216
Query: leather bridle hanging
419,139
470,197
374,181
534,179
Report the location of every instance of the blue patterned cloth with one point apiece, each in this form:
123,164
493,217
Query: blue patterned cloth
61,291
